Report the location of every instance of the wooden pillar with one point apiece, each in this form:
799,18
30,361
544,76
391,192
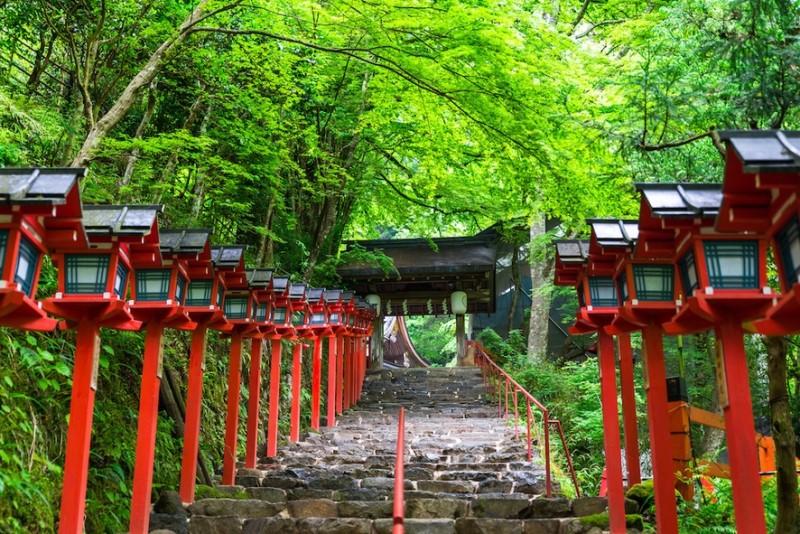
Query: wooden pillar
79,433
658,417
146,430
251,446
611,431
274,398
232,415
332,365
194,401
316,382
347,385
748,503
339,372
628,390
294,416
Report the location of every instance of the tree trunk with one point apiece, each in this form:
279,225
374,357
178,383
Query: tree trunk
142,79
787,519
265,250
541,276
130,159
713,438
515,278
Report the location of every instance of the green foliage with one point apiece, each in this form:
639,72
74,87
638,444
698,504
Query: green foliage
434,338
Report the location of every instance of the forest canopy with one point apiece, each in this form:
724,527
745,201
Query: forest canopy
291,126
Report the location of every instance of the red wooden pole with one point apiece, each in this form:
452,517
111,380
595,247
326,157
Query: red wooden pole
232,416
146,431
297,365
398,506
748,504
79,434
611,441
274,398
347,381
363,370
194,401
316,382
548,478
340,373
331,419
251,447
628,388
660,440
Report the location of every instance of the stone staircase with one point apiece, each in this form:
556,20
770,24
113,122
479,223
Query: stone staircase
464,471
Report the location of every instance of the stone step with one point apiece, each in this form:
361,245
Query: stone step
466,470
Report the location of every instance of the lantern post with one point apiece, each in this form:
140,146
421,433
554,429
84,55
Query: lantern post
592,275
40,210
281,328
613,239
203,303
237,306
336,323
158,291
300,325
93,278
647,292
725,282
318,327
348,303
260,281
760,195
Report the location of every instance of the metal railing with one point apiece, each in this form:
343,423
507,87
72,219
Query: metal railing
399,477
497,381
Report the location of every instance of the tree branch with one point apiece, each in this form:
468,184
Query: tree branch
712,133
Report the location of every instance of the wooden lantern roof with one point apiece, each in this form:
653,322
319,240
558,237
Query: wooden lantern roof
229,259
571,258
315,295
44,187
185,242
762,170
669,211
609,239
128,223
191,245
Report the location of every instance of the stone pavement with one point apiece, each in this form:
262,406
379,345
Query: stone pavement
464,471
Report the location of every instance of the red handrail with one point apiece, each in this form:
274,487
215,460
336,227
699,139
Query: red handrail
497,381
399,476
